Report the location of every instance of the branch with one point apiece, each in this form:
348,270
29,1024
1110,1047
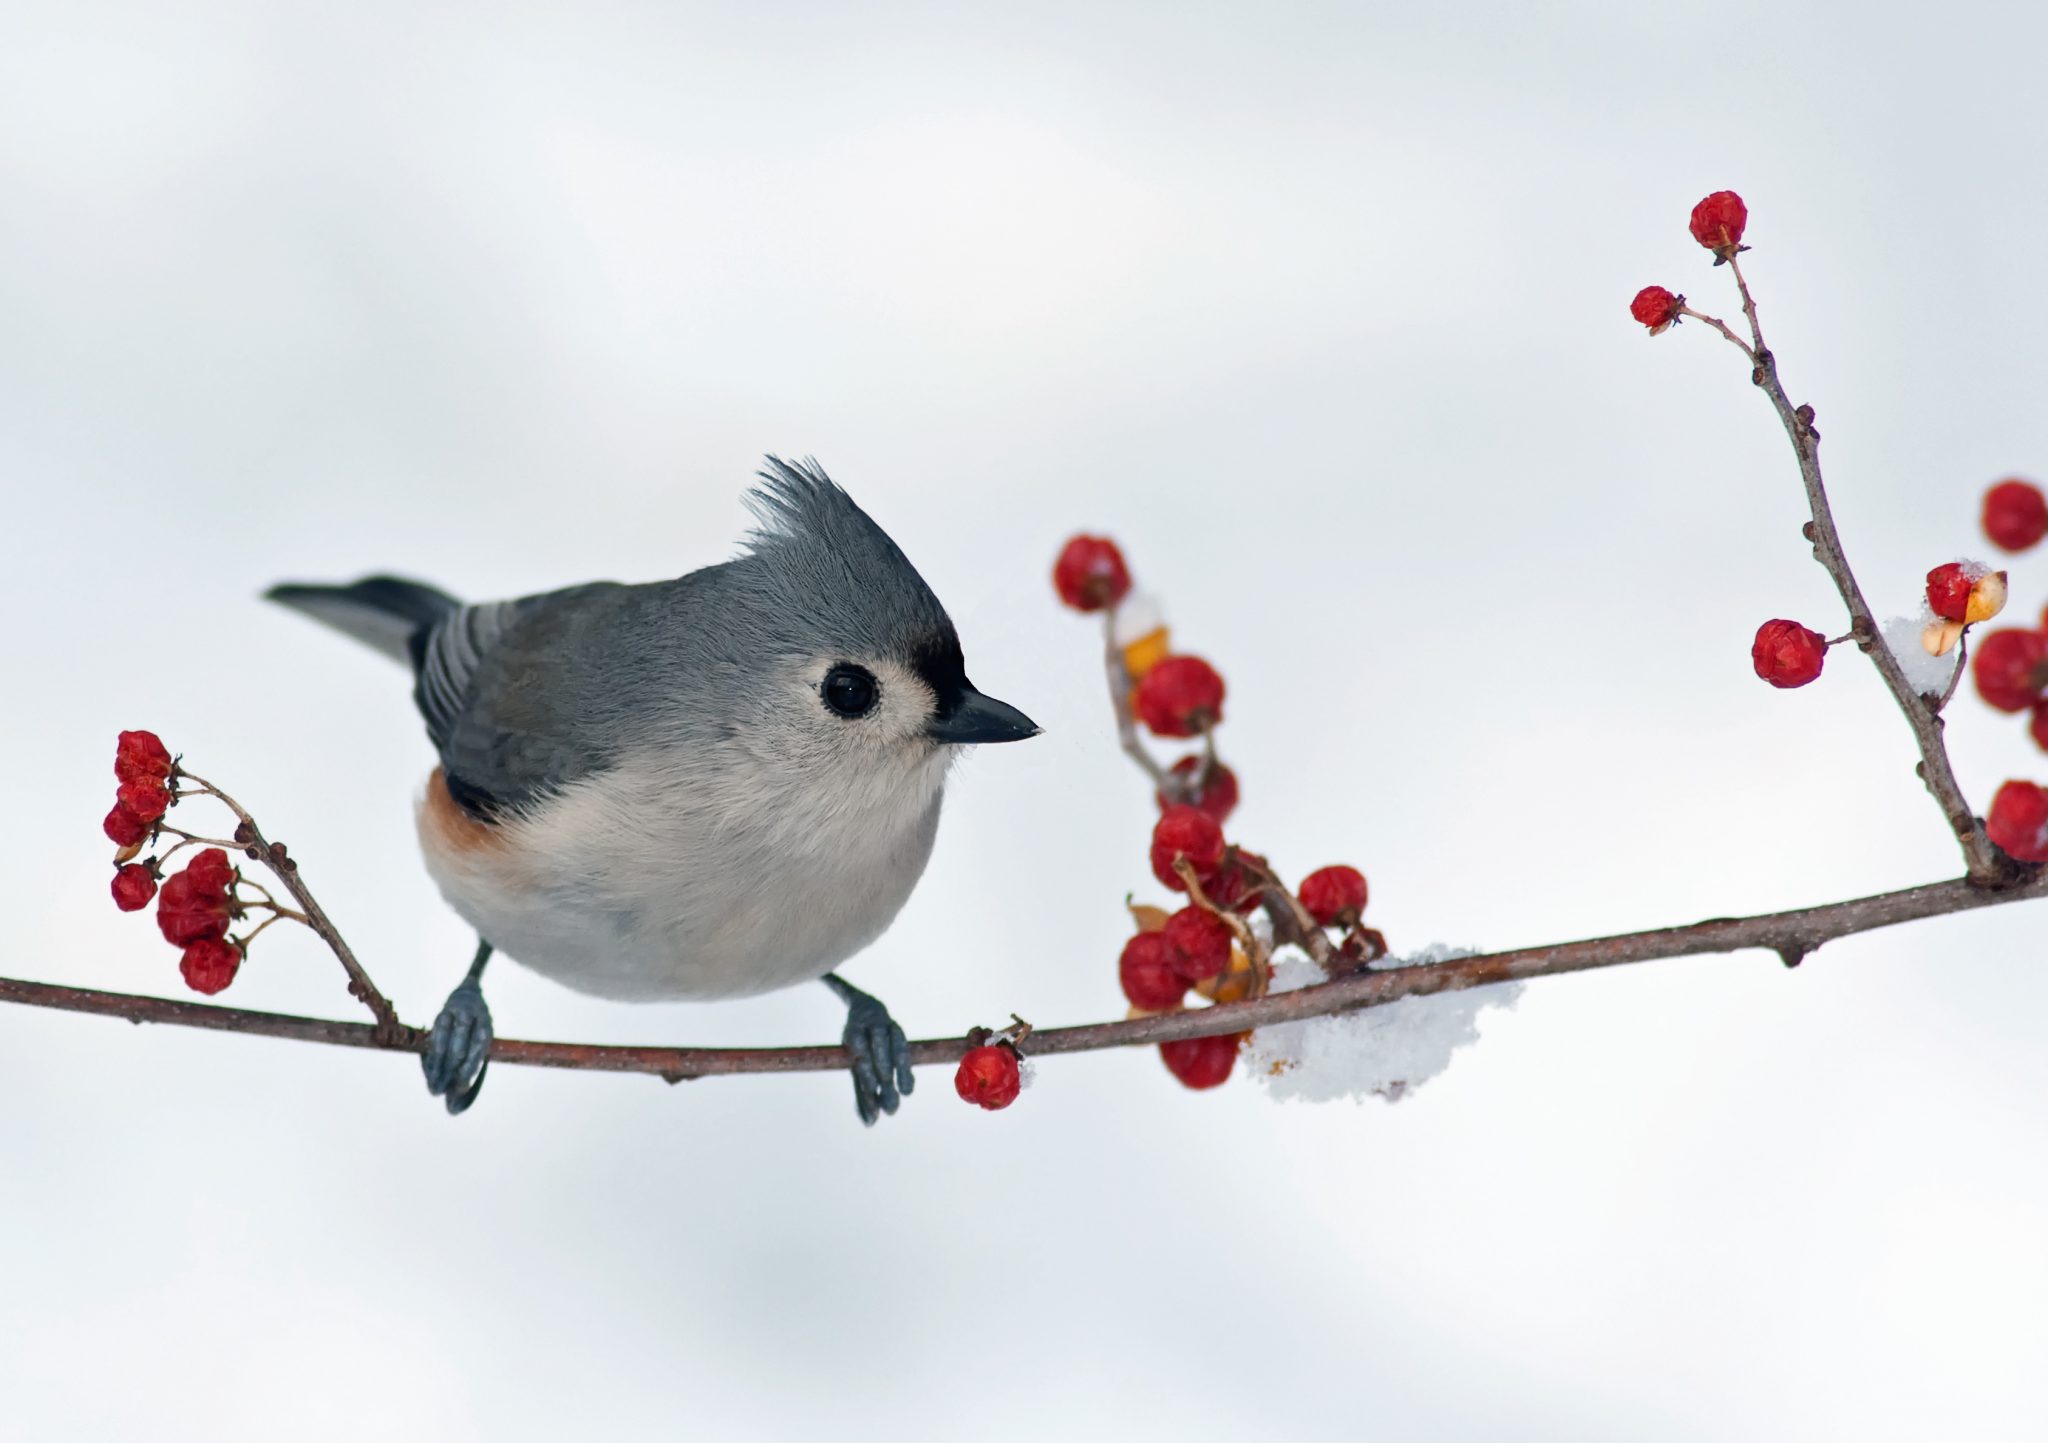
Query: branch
1986,866
1792,935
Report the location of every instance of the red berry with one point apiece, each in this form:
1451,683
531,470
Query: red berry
134,885
2015,514
1146,971
1202,1061
197,903
1186,832
2011,668
1090,574
1787,654
2037,725
212,870
1655,307
988,1077
140,755
2019,821
1198,943
1948,591
124,828
145,797
1180,697
1334,896
1718,220
1217,796
209,964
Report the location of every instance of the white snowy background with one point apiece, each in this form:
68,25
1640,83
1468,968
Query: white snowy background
1323,311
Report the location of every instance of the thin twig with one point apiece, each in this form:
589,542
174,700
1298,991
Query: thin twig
1733,339
273,855
1792,935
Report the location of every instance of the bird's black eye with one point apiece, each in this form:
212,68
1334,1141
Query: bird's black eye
850,690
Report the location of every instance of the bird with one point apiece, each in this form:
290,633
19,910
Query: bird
702,788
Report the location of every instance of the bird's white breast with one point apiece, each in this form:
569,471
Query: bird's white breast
655,882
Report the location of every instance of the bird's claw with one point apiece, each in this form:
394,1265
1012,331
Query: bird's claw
881,1057
459,1048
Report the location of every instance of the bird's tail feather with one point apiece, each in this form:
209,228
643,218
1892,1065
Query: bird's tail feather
383,612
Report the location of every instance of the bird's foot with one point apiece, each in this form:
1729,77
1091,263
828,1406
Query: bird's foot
459,1048
880,1051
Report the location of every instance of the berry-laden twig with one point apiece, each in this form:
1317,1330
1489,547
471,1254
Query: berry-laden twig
198,906
1217,949
1718,223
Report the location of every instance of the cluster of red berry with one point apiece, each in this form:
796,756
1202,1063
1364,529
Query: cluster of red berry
195,907
2010,670
1717,223
1206,947
143,769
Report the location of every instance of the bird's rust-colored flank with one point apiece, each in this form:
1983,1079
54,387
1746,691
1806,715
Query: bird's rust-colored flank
451,830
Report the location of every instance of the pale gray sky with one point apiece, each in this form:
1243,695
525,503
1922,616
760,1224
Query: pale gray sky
1322,309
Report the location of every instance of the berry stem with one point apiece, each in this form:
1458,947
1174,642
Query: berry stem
1240,932
274,909
1126,722
193,839
244,879
257,931
1732,339
1962,665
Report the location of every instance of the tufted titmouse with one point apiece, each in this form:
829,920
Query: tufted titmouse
708,787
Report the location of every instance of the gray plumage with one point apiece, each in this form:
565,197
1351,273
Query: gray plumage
522,697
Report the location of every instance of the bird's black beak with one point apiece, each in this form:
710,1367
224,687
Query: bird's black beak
976,719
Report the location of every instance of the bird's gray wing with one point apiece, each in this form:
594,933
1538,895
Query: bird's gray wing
449,654
512,694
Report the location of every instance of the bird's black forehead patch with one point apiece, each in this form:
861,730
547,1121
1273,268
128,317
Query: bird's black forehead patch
939,664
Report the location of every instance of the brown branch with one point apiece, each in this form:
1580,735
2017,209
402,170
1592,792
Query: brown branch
249,839
1792,935
1985,864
